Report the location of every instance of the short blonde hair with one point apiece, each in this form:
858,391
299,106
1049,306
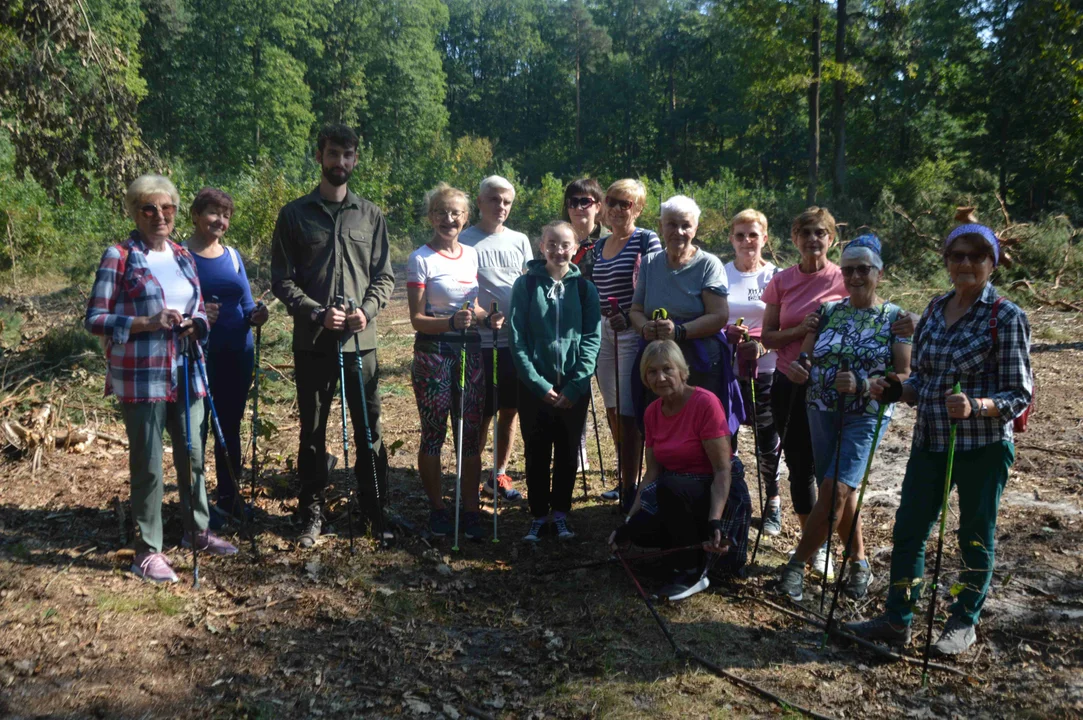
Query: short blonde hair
631,188
443,194
815,216
146,186
749,216
659,352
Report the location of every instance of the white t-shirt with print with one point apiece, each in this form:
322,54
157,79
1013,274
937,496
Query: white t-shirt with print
744,301
448,281
180,294
502,257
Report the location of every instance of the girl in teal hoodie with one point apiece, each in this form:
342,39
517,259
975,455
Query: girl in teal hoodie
555,335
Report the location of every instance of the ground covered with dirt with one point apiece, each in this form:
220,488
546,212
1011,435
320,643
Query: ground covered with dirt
498,630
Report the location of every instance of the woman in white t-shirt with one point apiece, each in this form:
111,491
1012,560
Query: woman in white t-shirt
747,276
442,289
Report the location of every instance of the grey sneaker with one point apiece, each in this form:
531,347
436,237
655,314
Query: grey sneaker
880,628
772,520
533,535
956,639
611,495
311,532
792,580
857,582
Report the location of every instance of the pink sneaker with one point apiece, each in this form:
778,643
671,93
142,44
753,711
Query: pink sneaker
154,567
209,543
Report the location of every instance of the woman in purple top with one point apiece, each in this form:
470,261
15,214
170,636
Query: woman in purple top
230,352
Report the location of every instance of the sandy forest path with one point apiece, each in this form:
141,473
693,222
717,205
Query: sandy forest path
417,631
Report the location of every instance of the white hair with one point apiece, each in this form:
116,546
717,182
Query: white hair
495,182
857,255
682,205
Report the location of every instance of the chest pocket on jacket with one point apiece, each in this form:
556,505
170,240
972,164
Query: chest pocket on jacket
136,281
356,236
971,357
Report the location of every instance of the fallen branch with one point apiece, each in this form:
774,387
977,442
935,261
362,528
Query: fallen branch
878,649
249,608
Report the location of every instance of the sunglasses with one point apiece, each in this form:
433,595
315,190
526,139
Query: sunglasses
581,202
958,256
150,210
819,233
613,203
861,270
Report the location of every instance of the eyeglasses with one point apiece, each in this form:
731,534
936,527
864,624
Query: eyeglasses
977,257
806,233
150,210
861,270
581,202
449,214
613,203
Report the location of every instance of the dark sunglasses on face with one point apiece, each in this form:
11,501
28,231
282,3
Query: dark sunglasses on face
861,270
150,210
581,202
976,258
818,233
615,203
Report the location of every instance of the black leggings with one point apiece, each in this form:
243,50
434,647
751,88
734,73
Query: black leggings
791,419
766,432
550,435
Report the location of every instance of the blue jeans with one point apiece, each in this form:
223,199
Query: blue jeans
857,443
230,375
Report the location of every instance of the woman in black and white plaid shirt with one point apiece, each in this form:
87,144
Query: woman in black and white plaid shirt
955,342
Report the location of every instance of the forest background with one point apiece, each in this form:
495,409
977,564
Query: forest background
890,112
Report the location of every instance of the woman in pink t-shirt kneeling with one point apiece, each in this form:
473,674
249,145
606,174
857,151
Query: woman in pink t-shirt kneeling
688,494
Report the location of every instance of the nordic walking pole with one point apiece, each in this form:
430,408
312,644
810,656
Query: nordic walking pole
939,547
493,309
255,409
658,314
614,307
380,525
857,516
844,366
753,372
597,436
220,438
345,433
191,479
459,436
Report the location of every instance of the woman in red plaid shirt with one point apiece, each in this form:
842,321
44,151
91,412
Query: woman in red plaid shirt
146,304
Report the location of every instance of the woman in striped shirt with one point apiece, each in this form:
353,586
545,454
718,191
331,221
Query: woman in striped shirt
617,258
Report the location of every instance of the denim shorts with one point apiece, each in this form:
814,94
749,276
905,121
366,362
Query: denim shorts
857,443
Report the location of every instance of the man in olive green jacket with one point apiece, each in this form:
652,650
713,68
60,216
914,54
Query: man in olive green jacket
333,243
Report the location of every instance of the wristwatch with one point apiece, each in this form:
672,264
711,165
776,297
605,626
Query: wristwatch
976,407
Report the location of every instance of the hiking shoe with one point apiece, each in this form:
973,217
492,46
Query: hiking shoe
880,628
208,542
563,531
504,482
223,514
311,533
772,520
956,639
154,567
440,523
685,584
473,527
857,582
611,495
533,535
791,581
820,561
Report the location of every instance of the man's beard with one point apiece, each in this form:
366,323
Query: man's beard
336,180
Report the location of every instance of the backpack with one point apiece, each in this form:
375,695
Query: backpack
1019,423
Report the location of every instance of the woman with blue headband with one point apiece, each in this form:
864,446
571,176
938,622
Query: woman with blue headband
974,337
855,330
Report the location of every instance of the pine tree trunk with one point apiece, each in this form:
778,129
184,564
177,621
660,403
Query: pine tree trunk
814,108
838,181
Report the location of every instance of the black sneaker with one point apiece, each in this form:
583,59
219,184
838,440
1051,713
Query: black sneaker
880,628
685,584
563,531
311,532
534,534
440,523
473,527
857,581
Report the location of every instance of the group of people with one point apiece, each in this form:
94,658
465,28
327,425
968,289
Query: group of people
814,363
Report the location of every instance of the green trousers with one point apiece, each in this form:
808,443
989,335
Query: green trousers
145,422
980,476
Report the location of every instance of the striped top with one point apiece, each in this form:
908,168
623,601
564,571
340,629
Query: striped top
616,277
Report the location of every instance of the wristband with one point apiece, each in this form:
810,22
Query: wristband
451,322
713,525
975,407
319,315
893,392
680,333
489,321
864,386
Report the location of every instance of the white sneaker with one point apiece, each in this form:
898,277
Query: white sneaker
819,560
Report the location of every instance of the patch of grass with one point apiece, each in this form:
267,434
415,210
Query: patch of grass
1052,334
158,601
11,328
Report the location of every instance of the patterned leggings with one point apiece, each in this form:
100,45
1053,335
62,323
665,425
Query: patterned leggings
435,378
